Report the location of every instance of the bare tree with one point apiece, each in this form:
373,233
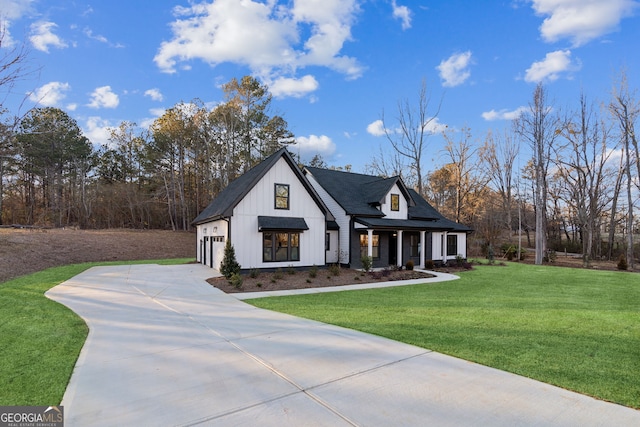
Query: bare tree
469,181
539,125
625,110
414,126
499,153
584,173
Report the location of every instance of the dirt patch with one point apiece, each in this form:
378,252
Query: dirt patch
24,251
292,279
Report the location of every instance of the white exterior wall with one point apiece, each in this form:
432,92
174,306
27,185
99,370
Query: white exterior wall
260,201
341,252
212,229
403,213
332,255
437,252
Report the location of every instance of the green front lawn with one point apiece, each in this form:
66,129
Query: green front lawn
577,329
40,340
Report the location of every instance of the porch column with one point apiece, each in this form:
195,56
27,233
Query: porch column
399,248
444,247
370,243
423,248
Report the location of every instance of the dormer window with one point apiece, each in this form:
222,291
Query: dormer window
395,202
282,196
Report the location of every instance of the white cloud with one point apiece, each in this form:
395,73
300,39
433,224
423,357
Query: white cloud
551,67
433,125
104,97
273,40
581,20
376,128
454,70
43,36
50,94
503,114
288,86
403,14
307,147
98,130
12,10
154,94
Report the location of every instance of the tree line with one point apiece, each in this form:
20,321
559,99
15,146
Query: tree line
566,180
160,177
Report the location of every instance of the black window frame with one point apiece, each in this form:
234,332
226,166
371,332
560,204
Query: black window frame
375,247
452,238
273,251
277,197
397,202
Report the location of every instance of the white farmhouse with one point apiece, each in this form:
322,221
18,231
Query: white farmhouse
279,216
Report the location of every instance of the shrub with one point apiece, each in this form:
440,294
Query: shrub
386,272
236,280
290,270
622,263
229,266
313,271
277,275
459,260
254,272
429,265
308,280
409,265
367,263
334,269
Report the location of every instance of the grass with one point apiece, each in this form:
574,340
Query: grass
577,329
40,340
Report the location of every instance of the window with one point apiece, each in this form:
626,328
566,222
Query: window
280,246
452,245
282,196
327,242
364,246
395,202
414,242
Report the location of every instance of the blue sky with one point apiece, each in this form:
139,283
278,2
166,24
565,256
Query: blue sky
333,66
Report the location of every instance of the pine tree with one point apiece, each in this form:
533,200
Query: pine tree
229,266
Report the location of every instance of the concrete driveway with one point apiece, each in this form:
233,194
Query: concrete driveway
165,348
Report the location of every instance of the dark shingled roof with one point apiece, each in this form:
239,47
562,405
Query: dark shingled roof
356,193
423,210
267,223
222,206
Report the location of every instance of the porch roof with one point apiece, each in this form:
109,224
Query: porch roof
408,224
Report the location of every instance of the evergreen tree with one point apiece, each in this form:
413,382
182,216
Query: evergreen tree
229,266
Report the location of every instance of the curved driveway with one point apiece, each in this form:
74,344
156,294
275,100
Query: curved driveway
165,348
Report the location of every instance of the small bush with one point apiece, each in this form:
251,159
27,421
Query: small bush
459,260
313,271
290,270
334,269
396,268
308,280
259,284
254,272
236,280
467,266
356,278
367,263
429,265
386,272
409,265
622,263
277,275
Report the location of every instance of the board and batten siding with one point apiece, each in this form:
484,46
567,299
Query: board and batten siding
438,253
214,246
403,212
260,201
341,252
